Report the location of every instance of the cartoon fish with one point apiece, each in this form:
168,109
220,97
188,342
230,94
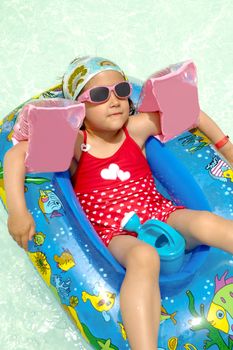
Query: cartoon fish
39,238
65,261
220,313
49,203
228,174
123,331
217,167
165,316
104,301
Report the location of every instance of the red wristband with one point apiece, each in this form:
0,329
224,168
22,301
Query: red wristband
222,142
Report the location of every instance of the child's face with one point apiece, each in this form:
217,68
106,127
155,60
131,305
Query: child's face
99,117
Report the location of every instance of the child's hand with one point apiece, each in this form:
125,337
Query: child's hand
21,226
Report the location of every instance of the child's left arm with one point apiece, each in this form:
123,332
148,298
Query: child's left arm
215,134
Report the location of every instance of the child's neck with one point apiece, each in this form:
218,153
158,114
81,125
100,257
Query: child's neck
104,144
103,136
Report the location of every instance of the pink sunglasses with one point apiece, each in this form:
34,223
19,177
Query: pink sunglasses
100,94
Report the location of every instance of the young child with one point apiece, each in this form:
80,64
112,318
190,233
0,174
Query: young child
109,167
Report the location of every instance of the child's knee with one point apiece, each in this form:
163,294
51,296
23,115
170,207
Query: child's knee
143,256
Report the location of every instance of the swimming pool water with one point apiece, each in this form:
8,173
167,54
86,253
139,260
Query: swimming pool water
37,41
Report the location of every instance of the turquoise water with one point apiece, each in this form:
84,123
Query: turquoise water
37,41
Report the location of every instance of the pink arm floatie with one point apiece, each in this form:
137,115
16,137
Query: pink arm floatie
51,128
173,93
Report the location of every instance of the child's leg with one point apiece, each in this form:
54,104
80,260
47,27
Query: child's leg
203,227
139,294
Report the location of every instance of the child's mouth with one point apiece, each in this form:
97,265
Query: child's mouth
118,113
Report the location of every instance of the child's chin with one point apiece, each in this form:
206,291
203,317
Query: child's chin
121,118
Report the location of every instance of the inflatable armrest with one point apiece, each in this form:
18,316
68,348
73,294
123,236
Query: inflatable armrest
173,93
51,128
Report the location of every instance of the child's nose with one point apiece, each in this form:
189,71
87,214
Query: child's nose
113,98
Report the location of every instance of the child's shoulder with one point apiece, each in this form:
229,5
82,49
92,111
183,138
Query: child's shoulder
143,125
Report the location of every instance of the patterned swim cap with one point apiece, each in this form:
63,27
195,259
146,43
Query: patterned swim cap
81,70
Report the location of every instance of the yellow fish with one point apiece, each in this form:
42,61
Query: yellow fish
220,313
104,301
228,174
165,316
65,261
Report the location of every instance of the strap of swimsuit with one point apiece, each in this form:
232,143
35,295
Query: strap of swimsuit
126,131
84,137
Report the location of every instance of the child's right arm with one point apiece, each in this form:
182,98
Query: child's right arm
21,225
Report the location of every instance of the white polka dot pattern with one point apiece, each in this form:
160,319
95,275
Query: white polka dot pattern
106,208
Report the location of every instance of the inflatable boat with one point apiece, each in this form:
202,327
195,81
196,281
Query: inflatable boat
197,300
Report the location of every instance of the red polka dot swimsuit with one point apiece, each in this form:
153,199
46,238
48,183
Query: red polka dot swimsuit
107,188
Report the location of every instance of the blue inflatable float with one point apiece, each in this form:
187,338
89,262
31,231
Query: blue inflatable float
197,301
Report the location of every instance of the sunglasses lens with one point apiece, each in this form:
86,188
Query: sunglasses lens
99,94
123,89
